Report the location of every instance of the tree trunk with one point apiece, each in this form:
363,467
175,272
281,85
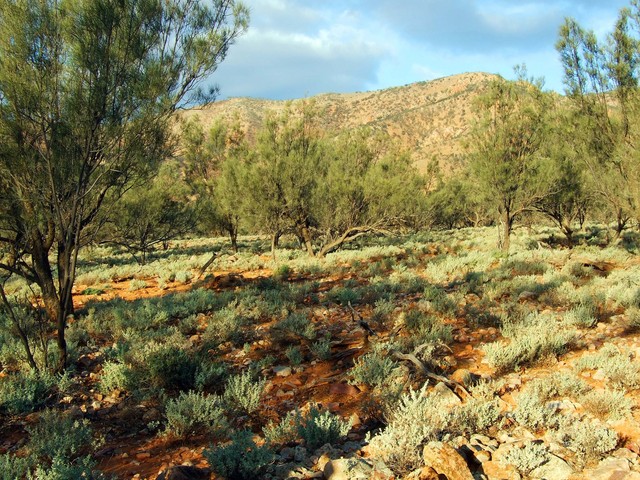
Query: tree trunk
568,233
506,224
306,237
275,240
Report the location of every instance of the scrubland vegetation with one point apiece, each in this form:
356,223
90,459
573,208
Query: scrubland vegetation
357,307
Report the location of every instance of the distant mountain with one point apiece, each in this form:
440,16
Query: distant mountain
431,119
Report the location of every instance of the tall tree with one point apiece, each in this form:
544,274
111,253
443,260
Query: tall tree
507,142
602,81
87,89
214,162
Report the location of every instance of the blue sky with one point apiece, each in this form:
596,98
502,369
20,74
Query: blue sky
298,48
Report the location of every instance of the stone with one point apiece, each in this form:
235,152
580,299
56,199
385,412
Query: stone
445,460
282,371
425,473
343,389
448,397
348,469
184,472
497,471
613,469
555,468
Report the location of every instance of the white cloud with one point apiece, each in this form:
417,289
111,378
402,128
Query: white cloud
296,47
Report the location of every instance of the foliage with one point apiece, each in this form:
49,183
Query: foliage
506,142
374,369
531,339
527,458
115,376
243,392
318,428
25,392
151,214
171,367
618,367
241,459
194,412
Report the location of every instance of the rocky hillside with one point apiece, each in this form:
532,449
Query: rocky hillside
430,119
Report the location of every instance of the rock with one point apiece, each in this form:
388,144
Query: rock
425,473
464,377
282,371
554,468
445,460
343,389
497,471
525,296
448,397
613,469
347,469
184,472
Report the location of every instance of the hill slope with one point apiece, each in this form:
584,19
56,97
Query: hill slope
429,119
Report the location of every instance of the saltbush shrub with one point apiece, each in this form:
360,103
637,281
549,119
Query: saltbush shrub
25,392
243,392
317,428
195,412
241,459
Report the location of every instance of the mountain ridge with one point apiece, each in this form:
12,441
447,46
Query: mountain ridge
430,119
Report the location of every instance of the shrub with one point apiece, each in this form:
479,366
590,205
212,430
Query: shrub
373,369
194,413
282,273
243,392
416,419
321,349
25,392
225,325
619,368
607,404
532,339
283,432
317,428
439,300
114,376
171,367
210,375
294,326
136,284
583,315
12,467
587,439
59,436
241,459
294,355
63,469
183,276
527,458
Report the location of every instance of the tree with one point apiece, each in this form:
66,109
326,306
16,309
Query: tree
87,90
602,82
214,164
507,142
370,187
570,191
151,214
328,191
283,175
